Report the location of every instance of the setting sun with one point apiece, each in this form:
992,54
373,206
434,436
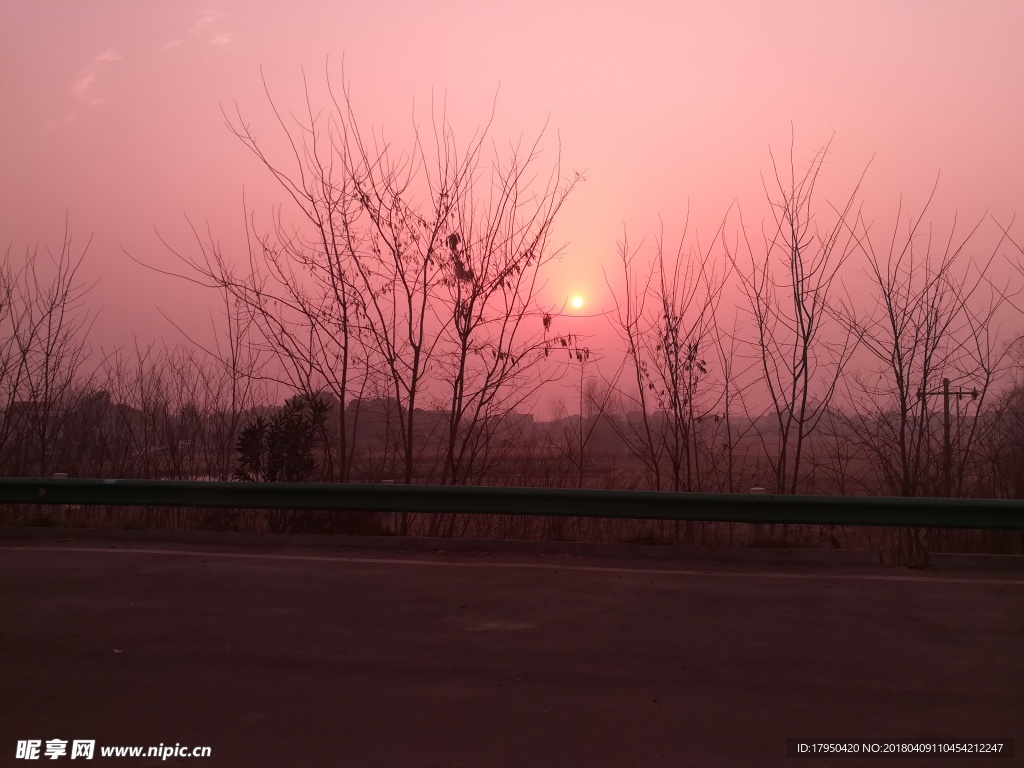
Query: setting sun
576,302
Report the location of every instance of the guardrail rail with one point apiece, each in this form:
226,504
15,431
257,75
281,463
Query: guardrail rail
645,505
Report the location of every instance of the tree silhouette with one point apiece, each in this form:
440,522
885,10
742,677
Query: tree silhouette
282,449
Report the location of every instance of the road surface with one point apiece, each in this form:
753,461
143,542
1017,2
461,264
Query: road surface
333,658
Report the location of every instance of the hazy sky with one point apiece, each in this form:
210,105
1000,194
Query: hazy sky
111,111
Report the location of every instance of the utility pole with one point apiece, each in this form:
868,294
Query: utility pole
947,447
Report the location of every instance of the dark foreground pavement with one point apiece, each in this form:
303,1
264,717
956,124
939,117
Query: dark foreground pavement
291,658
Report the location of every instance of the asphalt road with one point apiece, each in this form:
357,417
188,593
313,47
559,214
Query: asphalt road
321,658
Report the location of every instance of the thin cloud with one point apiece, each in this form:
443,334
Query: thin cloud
67,119
82,88
208,17
83,84
202,30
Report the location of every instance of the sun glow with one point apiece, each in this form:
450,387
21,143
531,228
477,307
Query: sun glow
576,302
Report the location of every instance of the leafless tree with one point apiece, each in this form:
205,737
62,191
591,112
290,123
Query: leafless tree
640,434
666,318
293,305
931,316
570,438
1002,446
411,272
44,329
788,282
498,338
726,447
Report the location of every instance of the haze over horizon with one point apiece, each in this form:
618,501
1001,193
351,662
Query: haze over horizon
114,118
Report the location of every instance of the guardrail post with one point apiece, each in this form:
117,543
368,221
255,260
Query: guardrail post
57,515
758,528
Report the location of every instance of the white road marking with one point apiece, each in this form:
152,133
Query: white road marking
503,626
528,566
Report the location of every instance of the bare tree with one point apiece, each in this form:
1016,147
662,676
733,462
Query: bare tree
44,331
931,316
294,305
667,323
640,434
570,439
1003,445
725,446
498,337
788,284
228,377
412,273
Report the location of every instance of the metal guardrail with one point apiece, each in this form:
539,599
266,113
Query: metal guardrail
646,505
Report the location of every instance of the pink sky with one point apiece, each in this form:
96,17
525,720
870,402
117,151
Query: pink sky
111,112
